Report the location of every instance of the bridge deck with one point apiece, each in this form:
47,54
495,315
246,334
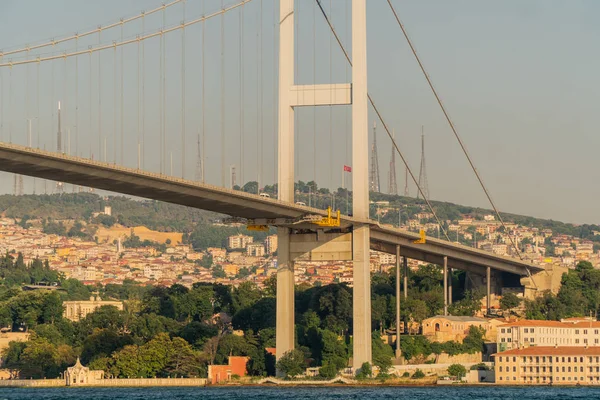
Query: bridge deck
114,178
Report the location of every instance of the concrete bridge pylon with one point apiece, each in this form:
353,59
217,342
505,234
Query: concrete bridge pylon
291,96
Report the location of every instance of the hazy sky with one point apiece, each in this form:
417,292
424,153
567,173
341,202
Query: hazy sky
519,78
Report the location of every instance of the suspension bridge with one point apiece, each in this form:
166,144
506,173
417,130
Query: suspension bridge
189,101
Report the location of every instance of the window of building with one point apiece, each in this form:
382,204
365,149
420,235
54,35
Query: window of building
569,369
595,331
527,339
563,369
514,359
531,340
537,359
580,369
580,359
563,359
577,331
569,359
509,340
502,340
526,330
514,378
500,369
585,341
509,330
500,378
502,330
531,330
576,341
524,359
514,369
585,331
499,359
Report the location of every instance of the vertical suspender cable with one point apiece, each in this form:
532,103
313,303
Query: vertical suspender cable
258,134
114,135
122,95
183,93
10,100
65,143
164,93
2,102
223,180
241,96
203,102
27,113
76,99
90,105
160,99
139,100
260,114
274,109
100,102
143,93
314,82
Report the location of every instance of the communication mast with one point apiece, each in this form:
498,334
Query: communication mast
423,171
374,172
392,184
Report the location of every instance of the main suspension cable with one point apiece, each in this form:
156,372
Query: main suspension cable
456,135
76,36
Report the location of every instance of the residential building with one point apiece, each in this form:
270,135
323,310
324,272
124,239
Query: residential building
527,333
239,241
77,310
564,365
255,250
271,244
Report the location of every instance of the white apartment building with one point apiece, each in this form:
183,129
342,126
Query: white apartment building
255,250
239,241
527,333
271,244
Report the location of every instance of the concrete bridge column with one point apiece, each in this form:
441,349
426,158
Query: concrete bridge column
405,265
360,188
449,286
398,352
488,285
445,285
284,337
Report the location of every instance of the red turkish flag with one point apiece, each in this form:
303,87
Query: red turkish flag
347,168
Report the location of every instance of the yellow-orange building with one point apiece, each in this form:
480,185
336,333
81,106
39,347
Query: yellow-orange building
566,365
445,328
77,310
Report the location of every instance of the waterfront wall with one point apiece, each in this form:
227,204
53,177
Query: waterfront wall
32,382
428,369
131,382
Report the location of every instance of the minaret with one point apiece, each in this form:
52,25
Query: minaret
406,193
423,171
374,173
232,176
392,185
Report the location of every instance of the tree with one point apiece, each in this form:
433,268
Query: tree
418,374
291,363
509,301
457,370
365,371
382,353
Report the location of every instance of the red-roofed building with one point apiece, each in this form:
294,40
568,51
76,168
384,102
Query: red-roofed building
567,365
527,333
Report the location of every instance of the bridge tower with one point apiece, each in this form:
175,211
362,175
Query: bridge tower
291,96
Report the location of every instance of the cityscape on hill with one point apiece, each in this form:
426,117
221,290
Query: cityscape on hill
111,279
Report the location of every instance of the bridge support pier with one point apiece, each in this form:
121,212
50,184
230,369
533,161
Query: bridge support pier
398,351
449,286
445,285
405,265
488,285
285,327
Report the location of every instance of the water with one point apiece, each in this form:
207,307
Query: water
301,393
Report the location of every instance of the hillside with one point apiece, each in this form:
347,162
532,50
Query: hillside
167,217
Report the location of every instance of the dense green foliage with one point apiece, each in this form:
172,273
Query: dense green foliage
457,370
578,296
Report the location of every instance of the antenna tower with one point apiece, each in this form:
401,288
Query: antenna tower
406,182
423,171
374,173
199,176
392,184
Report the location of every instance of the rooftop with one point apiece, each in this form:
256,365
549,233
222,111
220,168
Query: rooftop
552,351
